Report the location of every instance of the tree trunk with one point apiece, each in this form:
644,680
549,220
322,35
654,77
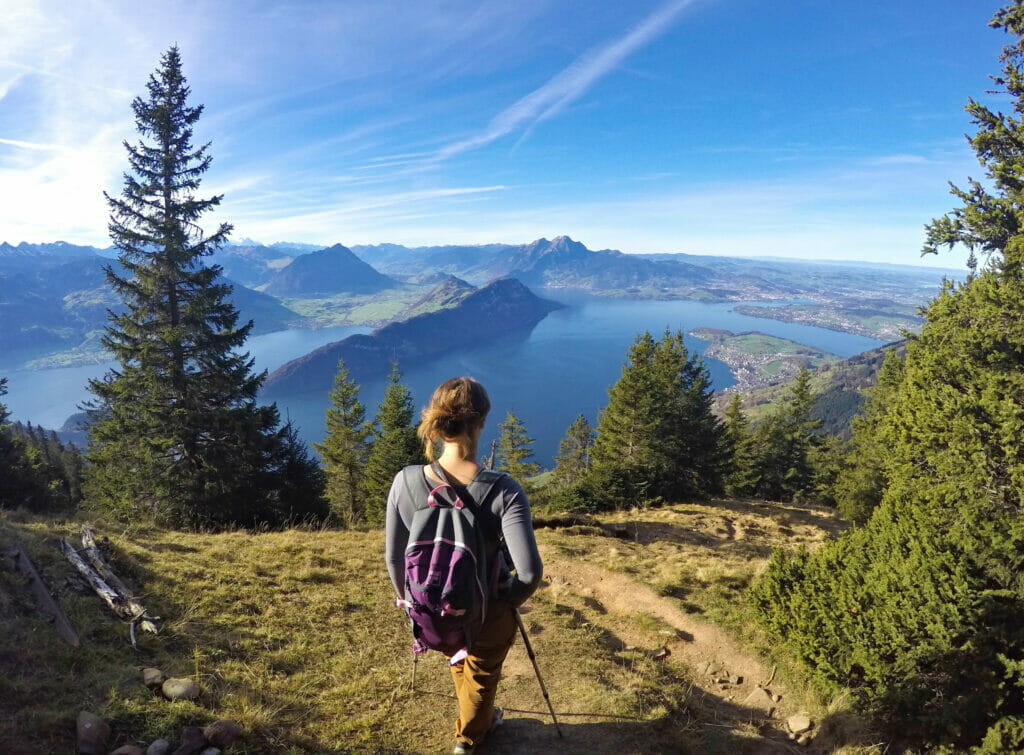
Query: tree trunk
129,610
104,570
44,599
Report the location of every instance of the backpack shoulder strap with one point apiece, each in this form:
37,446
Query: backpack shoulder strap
415,480
486,481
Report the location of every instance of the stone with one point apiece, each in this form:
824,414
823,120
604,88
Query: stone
153,677
159,747
759,698
192,741
799,723
661,654
223,733
180,689
92,734
735,679
776,698
210,751
804,740
128,750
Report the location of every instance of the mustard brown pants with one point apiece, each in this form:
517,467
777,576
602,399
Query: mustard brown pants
476,678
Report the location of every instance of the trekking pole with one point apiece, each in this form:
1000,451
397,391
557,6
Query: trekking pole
536,668
415,660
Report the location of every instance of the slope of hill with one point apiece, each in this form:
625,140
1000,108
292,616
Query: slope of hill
839,386
54,300
330,271
449,292
295,636
493,311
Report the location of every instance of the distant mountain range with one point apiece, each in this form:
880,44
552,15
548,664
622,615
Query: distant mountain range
54,298
567,264
491,312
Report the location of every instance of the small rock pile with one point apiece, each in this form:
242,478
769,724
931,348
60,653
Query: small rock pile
800,728
800,725
93,733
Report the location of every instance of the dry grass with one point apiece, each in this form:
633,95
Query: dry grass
292,634
702,554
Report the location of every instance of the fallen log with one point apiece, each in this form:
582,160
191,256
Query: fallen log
110,596
106,572
101,588
44,600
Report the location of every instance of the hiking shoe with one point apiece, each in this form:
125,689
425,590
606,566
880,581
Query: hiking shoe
499,718
462,748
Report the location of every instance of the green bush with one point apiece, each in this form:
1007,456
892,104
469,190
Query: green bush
919,611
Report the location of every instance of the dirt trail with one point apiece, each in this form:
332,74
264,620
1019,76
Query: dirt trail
755,707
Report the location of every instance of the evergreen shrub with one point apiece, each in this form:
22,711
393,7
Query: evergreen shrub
919,612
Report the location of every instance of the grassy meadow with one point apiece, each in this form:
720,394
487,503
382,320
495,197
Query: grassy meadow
294,635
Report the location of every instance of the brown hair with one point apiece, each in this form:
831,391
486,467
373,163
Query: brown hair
458,407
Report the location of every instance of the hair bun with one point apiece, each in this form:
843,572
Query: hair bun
457,407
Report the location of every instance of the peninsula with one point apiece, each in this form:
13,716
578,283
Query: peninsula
496,310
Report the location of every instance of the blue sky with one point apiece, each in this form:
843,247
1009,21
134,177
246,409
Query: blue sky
744,127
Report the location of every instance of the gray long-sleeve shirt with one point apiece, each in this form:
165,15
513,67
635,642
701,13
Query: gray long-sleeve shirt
509,509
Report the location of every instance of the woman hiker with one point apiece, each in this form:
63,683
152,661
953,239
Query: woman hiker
454,419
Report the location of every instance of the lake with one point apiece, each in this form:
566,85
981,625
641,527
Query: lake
561,369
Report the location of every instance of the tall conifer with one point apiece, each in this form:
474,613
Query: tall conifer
21,483
785,440
345,448
573,459
742,476
863,474
394,446
175,431
515,448
658,437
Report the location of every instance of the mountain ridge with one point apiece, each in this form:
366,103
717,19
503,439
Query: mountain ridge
326,272
493,311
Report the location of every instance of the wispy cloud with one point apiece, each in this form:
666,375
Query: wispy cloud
569,84
31,145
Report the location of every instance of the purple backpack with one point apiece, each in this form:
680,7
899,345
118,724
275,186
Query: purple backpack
451,561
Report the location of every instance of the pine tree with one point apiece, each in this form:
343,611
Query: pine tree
394,447
784,442
863,474
573,459
742,476
657,438
919,610
22,475
627,428
515,447
175,431
692,437
345,449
